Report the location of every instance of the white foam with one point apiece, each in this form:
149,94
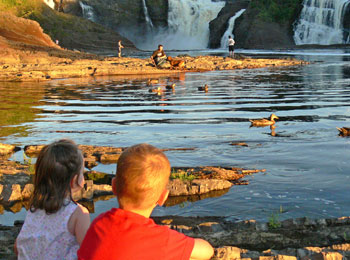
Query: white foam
321,22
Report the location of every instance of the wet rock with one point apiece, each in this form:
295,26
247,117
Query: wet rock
33,150
90,161
178,187
6,149
102,189
227,253
11,193
86,193
27,191
13,168
99,177
109,158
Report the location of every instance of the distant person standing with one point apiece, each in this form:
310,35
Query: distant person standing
231,49
120,47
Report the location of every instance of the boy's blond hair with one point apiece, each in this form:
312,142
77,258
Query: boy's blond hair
142,174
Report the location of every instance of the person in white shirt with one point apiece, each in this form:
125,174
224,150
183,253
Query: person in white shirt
231,44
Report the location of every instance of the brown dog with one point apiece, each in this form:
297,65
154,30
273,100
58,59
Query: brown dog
180,64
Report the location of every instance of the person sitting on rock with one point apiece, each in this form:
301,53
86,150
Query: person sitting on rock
55,224
127,232
158,56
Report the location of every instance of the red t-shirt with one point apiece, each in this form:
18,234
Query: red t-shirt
124,235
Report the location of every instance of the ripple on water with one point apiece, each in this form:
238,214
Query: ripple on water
306,162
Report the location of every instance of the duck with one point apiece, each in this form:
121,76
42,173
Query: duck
264,121
344,131
171,87
205,88
152,81
156,90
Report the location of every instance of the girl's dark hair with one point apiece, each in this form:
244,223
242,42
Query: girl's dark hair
56,166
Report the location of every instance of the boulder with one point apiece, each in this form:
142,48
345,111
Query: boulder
33,150
11,193
179,187
24,31
6,149
85,193
102,189
27,191
227,253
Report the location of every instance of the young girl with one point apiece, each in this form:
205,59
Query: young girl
55,224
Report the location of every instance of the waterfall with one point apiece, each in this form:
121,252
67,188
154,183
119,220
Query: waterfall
321,22
188,22
88,11
231,26
50,3
147,17
188,26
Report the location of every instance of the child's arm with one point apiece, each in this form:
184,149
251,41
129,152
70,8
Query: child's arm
202,250
79,223
15,248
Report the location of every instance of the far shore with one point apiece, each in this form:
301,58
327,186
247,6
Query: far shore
37,63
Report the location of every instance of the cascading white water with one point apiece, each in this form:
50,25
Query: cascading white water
231,26
50,3
147,17
88,11
321,22
188,26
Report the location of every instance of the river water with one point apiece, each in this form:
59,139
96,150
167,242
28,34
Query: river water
307,163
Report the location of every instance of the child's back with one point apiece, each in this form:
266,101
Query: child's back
127,233
55,225
46,236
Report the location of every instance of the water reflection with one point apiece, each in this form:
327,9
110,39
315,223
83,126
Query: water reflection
17,106
307,165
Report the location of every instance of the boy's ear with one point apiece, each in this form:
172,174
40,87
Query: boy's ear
163,197
114,186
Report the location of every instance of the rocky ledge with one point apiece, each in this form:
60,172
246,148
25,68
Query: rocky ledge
292,239
33,68
186,183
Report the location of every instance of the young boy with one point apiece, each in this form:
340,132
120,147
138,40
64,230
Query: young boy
128,232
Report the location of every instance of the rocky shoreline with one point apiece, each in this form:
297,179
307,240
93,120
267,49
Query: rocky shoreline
292,239
301,238
186,183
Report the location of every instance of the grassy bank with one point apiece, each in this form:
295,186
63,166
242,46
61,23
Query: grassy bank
72,32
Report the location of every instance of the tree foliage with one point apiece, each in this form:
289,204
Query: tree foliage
280,11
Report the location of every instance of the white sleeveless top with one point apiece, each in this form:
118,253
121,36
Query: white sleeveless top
46,236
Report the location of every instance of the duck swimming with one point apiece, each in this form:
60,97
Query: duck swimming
205,88
264,121
156,90
171,87
344,131
152,81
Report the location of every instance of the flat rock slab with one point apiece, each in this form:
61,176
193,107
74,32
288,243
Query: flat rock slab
220,233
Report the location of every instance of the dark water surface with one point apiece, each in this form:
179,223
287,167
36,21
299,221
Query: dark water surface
307,164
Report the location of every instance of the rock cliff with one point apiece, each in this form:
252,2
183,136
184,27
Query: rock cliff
124,16
219,25
264,24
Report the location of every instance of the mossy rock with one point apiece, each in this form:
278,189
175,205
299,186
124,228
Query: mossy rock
98,177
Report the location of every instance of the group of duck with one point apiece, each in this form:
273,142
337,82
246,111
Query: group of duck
343,131
171,87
